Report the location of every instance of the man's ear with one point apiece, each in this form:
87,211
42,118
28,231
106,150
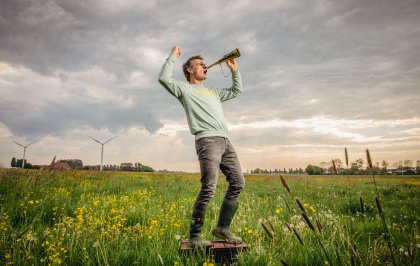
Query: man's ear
190,70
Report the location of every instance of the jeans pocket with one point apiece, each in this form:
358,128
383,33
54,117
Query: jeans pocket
204,146
204,141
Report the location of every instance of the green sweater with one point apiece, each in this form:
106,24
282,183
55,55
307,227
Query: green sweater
202,105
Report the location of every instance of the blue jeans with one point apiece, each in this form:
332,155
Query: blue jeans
215,154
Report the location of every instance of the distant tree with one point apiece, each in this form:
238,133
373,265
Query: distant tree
384,169
418,167
146,168
338,166
375,170
13,162
400,166
137,167
27,165
356,167
324,165
310,170
360,162
19,164
301,171
314,170
408,164
126,166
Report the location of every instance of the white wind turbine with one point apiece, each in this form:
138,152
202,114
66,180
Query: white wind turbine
24,151
102,152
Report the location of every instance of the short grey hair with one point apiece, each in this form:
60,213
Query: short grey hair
188,64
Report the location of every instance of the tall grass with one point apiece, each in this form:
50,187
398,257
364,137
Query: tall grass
381,213
92,218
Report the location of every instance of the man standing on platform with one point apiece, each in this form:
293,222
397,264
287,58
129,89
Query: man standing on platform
203,108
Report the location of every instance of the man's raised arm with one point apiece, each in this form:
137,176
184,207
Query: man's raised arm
165,76
236,88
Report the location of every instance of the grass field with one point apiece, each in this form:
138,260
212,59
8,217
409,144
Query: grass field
116,218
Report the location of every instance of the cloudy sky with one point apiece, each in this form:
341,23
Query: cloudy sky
318,76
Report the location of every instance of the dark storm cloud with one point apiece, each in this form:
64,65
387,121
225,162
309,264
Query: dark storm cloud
345,59
358,59
58,119
45,35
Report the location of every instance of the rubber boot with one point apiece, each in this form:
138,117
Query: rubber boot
197,222
227,211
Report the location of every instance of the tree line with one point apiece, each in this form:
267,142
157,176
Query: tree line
357,167
76,164
17,163
128,167
277,171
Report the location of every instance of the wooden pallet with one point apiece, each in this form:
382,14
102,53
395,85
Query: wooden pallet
222,251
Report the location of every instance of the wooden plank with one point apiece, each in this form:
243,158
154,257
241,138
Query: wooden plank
222,251
217,244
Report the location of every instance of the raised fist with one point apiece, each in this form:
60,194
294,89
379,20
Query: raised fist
176,50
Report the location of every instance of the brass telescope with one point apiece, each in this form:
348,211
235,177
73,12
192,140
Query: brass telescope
232,55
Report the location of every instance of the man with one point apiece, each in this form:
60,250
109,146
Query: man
206,121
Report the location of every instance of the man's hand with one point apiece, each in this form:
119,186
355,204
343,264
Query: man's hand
232,65
176,50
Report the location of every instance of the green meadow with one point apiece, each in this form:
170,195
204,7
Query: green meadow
119,218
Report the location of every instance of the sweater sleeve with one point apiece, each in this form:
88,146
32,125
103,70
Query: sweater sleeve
165,77
234,90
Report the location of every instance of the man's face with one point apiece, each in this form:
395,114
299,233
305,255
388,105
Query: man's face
198,70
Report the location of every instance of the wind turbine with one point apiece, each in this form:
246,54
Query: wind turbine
24,151
102,152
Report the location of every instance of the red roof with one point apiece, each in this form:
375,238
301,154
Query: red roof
60,166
